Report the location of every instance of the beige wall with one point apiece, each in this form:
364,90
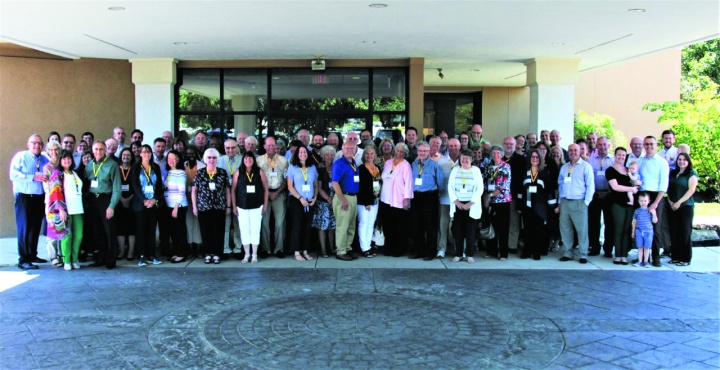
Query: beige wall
505,112
620,91
42,95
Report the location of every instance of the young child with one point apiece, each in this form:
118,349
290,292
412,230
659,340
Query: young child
634,174
642,229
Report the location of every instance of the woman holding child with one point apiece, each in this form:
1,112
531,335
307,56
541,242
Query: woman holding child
622,209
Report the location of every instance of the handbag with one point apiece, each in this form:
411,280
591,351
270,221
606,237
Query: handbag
378,237
486,229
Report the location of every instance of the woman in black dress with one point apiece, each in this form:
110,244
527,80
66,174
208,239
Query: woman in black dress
539,190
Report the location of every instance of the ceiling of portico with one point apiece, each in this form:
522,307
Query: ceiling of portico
476,43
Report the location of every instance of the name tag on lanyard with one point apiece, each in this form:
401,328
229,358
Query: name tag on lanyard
211,185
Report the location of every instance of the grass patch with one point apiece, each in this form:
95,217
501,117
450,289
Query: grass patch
707,209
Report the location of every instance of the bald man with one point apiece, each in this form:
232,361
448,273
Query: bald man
576,190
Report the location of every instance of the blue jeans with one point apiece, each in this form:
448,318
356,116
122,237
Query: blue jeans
643,238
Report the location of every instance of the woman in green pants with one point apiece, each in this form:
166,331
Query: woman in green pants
72,189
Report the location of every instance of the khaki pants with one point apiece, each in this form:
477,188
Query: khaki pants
276,208
345,223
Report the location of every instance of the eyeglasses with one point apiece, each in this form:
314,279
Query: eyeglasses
230,147
36,143
534,157
648,144
68,142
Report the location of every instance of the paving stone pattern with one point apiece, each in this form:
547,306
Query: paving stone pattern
360,319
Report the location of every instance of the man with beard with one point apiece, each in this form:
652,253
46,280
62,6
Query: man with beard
315,156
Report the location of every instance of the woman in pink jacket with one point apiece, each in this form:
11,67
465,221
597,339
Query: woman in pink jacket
395,195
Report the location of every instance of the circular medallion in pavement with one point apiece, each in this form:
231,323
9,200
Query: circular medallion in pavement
320,331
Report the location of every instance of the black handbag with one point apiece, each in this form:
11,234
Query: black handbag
486,229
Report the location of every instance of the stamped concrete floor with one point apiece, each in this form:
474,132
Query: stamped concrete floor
293,318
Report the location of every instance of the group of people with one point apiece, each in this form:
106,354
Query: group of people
218,199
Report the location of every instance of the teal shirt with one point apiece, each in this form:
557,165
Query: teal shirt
679,185
108,176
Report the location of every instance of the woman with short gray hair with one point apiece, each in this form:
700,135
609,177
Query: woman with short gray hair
210,197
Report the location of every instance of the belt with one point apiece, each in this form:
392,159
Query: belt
100,195
32,195
351,194
274,189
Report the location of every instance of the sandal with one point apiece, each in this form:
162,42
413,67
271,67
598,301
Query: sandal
307,256
503,259
324,255
682,264
208,258
299,257
368,254
470,260
674,262
56,262
254,258
246,259
457,259
216,260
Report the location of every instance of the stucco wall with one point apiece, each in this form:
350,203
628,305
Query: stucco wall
620,91
42,95
506,112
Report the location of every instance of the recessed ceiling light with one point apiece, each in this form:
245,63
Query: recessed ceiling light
475,70
180,43
637,10
356,78
276,78
116,8
378,6
369,42
558,43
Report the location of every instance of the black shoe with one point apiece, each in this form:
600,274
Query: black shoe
608,255
109,267
279,254
428,258
524,256
512,251
353,255
82,258
536,258
344,257
27,266
263,254
657,264
592,254
225,256
39,260
414,256
635,261
96,264
565,259
239,256
583,260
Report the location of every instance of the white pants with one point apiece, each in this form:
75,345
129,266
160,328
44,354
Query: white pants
250,221
366,225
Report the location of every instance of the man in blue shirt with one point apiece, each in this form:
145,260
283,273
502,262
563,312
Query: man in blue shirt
346,182
428,180
600,161
577,186
27,178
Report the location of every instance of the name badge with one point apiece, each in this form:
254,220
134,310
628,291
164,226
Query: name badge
388,176
94,184
528,204
532,189
568,179
306,188
356,178
273,174
39,174
601,173
519,196
211,185
230,180
125,187
148,189
491,187
418,181
464,191
251,189
376,184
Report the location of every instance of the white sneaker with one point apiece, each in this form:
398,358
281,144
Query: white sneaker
67,267
76,266
441,253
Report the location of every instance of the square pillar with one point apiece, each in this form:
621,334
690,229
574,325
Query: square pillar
154,81
552,96
416,103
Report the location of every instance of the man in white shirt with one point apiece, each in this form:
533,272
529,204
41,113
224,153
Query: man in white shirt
445,238
352,137
655,173
230,162
275,167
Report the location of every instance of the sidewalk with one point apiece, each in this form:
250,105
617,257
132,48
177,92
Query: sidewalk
705,260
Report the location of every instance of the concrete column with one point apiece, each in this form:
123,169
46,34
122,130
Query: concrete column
244,123
417,93
552,95
154,81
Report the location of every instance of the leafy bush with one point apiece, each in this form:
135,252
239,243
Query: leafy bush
696,122
601,124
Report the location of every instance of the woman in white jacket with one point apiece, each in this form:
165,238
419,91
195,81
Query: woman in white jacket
465,189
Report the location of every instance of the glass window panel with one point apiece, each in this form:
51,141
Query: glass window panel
288,127
388,125
193,123
389,89
200,90
344,124
245,90
306,90
251,124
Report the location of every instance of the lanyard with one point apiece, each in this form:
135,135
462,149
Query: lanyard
147,174
271,162
211,175
421,168
353,167
304,174
374,171
534,176
231,166
96,172
394,166
124,174
77,186
37,162
249,176
602,164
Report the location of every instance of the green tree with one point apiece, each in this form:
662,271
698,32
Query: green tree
700,68
601,124
696,122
